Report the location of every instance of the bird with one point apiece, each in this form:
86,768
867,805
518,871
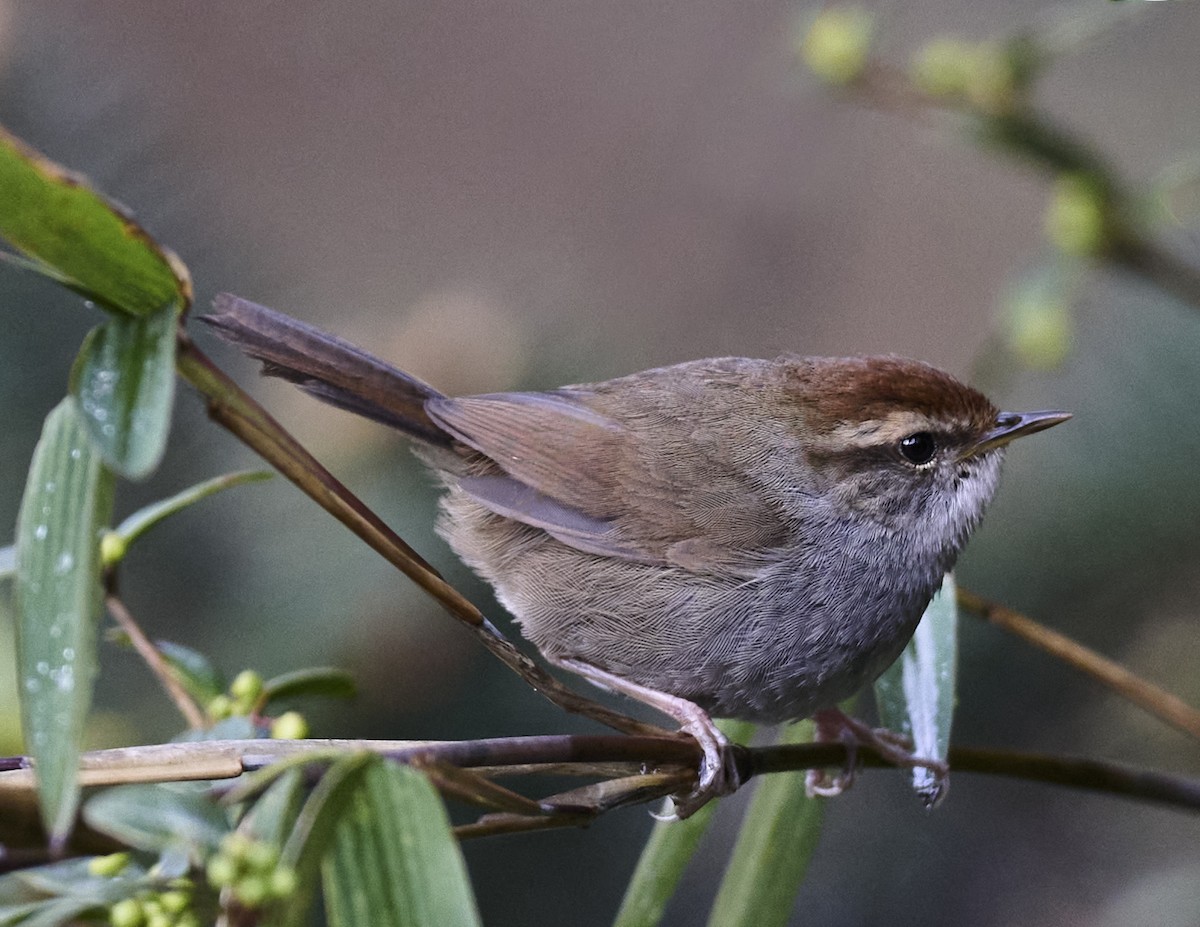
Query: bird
728,537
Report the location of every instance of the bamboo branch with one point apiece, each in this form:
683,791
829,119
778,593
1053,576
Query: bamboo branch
635,769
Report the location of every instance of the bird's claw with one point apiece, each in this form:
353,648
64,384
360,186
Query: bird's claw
717,774
834,725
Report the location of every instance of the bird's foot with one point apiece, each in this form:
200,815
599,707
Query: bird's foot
834,725
717,774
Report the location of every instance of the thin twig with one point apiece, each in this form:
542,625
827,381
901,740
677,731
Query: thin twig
669,760
235,410
154,659
1146,695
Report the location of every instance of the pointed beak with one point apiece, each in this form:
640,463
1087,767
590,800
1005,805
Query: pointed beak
1012,425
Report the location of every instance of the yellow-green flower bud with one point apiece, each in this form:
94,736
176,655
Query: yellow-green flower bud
126,913
1077,217
245,689
112,548
837,44
251,890
942,67
221,870
108,866
283,882
1039,326
289,726
174,902
220,707
260,857
991,80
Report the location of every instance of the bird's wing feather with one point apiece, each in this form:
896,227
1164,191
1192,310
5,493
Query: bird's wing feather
605,481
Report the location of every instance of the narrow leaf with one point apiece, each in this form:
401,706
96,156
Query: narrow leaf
395,860
90,242
670,848
67,502
75,879
199,678
124,381
12,914
274,814
773,849
157,817
917,693
328,681
146,518
315,828
57,912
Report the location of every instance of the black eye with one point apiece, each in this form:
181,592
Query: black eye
918,448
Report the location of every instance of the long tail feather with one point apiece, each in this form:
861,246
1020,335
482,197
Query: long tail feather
327,367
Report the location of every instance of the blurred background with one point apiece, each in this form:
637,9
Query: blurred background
502,195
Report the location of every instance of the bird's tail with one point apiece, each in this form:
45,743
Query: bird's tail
328,368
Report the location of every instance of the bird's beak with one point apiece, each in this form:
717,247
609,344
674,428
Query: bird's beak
1012,425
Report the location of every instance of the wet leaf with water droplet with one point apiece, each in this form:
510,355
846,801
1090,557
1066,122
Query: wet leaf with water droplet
81,239
124,382
916,695
67,503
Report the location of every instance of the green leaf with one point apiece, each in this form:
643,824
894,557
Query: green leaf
274,815
73,878
666,854
56,912
315,827
124,381
774,846
395,860
328,681
157,817
89,243
917,693
58,596
12,914
194,670
146,518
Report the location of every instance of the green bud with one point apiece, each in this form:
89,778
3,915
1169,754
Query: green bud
289,726
113,548
251,890
283,882
174,902
942,67
837,44
1077,217
246,687
221,870
159,919
108,866
991,80
126,913
260,857
220,708
152,906
1039,326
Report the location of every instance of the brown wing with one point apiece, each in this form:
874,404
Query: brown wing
642,477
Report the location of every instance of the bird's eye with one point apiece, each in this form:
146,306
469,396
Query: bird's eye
918,448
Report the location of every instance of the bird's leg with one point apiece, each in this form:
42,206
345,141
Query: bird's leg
718,772
832,725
